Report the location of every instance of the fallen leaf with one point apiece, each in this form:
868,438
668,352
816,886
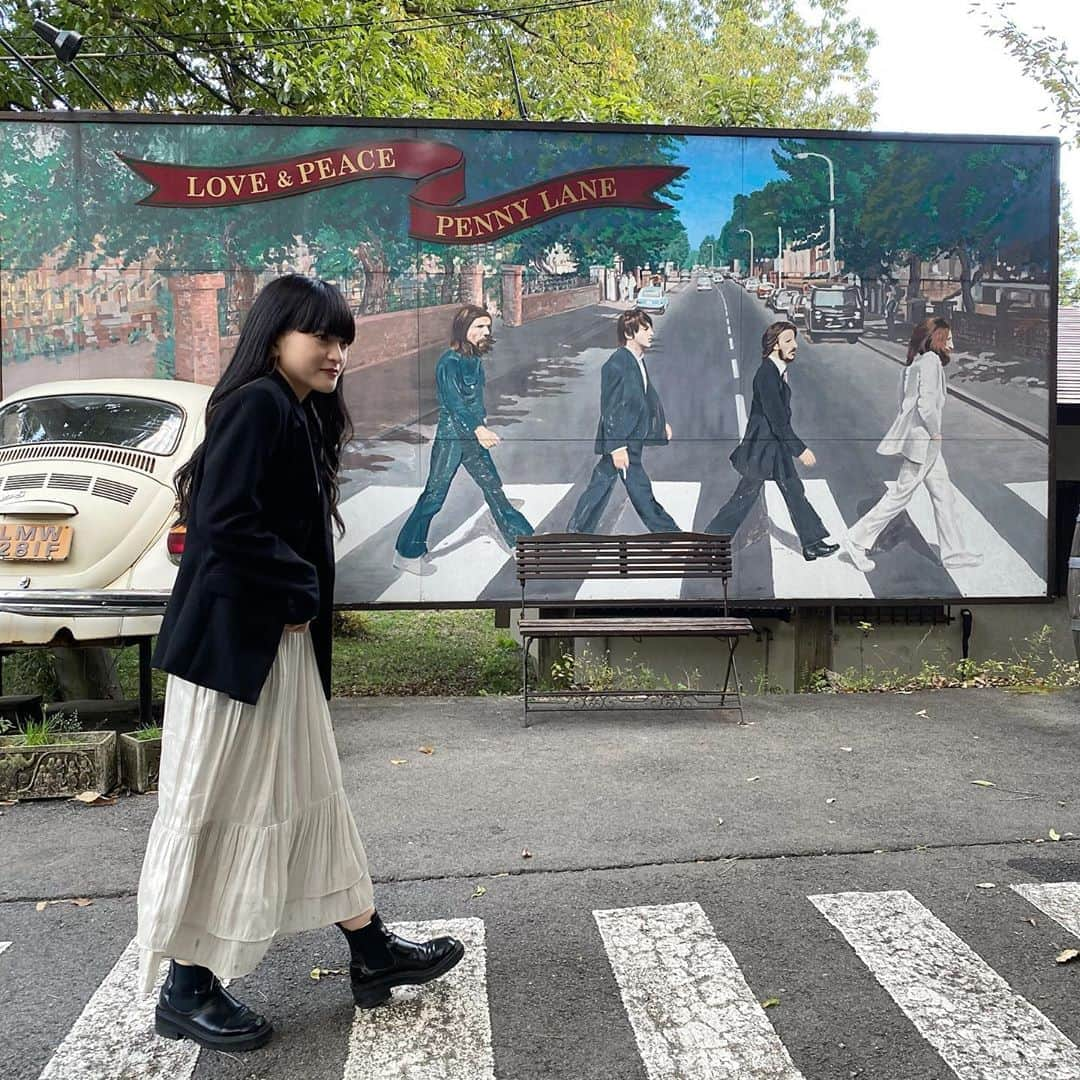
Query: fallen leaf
751,779
847,749
921,712
830,801
768,1003
82,901
984,783
1033,922
526,853
41,905
1067,955
317,973
986,885
478,892
399,761
719,821
78,901
1053,835
427,749
94,798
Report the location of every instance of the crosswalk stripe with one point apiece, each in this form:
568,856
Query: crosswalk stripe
441,1031
793,576
694,1016
680,500
1058,899
1002,569
971,1016
370,510
464,566
1033,492
740,413
113,1038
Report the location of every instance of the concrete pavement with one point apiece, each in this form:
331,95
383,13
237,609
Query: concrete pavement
664,818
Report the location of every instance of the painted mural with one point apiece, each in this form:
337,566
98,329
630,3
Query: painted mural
602,331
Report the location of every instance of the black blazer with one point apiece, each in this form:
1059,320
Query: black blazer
259,551
767,448
630,414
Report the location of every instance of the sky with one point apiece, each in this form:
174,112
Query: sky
966,85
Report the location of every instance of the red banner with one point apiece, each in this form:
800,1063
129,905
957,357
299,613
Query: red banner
433,211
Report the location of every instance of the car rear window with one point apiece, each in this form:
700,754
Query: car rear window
650,291
132,422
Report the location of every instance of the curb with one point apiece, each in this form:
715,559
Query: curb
969,399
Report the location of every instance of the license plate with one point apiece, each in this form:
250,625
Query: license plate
30,542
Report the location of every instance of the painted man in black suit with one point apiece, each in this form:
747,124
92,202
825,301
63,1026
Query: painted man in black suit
631,416
769,447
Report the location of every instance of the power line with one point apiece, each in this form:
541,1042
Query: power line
413,24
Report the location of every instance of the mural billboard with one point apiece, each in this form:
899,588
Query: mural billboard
566,328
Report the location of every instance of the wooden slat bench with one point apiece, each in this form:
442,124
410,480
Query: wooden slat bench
578,557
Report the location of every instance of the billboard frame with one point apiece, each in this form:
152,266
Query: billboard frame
1053,143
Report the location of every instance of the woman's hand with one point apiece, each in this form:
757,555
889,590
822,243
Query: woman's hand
297,628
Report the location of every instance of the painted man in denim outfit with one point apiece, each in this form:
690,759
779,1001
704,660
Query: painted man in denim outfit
462,438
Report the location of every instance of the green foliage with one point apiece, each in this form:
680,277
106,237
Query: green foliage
31,671
1034,667
1068,254
622,61
58,728
1043,58
588,672
147,732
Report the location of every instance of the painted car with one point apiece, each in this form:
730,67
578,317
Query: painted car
86,494
652,299
704,283
834,311
751,284
764,290
783,301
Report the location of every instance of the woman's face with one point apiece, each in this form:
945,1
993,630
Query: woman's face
311,361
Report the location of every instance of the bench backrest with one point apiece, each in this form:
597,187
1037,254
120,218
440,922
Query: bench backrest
562,556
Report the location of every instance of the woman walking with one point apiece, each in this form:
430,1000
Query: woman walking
915,435
253,835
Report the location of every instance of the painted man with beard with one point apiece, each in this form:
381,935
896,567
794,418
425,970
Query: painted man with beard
462,438
770,448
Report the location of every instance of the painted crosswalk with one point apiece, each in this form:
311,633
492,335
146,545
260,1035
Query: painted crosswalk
411,1039
691,1011
1034,493
693,1014
1002,569
680,500
1058,899
970,1015
792,576
468,560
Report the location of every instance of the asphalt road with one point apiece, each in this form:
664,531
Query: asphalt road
543,399
823,893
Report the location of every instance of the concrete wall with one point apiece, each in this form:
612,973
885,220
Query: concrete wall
767,659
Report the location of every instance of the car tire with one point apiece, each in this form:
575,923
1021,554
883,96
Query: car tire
853,338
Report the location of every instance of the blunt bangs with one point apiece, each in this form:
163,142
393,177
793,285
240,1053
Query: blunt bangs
321,309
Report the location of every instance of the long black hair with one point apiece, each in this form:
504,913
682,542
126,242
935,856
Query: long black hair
292,302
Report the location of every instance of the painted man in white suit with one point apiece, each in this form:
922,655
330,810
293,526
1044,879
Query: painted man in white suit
915,436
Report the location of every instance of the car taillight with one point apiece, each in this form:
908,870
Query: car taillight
174,542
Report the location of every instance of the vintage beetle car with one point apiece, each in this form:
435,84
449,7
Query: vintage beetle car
86,495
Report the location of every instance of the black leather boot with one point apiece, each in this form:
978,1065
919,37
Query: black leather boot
381,960
194,1005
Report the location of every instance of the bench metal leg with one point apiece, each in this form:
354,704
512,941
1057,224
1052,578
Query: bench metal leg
526,644
732,670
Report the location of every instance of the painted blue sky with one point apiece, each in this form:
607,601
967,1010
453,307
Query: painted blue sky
721,167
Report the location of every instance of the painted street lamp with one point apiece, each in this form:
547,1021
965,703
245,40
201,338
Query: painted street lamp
751,235
832,207
779,249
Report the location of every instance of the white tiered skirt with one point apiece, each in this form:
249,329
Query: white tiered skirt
253,835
